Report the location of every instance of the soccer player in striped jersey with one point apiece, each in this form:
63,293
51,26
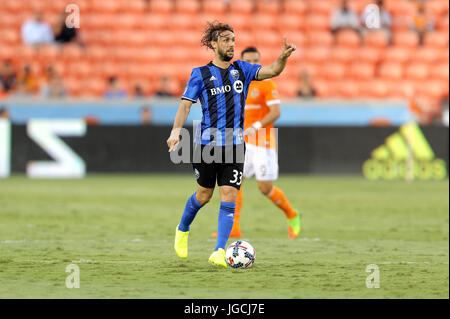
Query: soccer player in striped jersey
262,109
221,87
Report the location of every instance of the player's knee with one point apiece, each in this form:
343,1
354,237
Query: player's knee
265,188
228,194
204,196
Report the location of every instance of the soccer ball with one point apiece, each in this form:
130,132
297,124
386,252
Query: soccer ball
240,254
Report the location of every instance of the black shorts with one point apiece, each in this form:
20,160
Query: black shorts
219,163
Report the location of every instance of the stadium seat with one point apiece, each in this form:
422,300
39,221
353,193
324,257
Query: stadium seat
9,52
396,54
286,88
377,39
332,71
437,39
316,54
94,87
271,7
391,71
161,7
433,89
436,7
443,56
73,85
443,23
440,72
425,55
245,7
136,6
321,7
181,22
263,21
407,39
9,20
267,38
324,89
190,7
402,89
400,23
348,38
400,8
320,38
214,7
417,71
154,22
72,52
291,22
101,21
341,55
347,89
316,22
13,6
237,21
295,7
127,21
48,53
362,71
10,37
80,69
375,88
110,6
367,54
358,5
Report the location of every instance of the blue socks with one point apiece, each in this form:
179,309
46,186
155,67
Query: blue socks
226,218
190,211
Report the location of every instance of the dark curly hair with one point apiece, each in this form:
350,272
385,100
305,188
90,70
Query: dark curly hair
212,31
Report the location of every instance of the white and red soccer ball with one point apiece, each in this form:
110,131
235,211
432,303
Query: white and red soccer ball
240,254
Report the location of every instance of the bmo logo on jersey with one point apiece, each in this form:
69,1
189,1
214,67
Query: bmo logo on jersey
238,86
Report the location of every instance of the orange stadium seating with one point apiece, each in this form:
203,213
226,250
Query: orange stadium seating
141,40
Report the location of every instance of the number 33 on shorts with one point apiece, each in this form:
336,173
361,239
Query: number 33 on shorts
237,177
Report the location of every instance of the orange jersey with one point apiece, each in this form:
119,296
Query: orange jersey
261,95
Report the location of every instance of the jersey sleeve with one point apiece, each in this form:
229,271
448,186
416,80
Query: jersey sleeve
250,70
271,93
193,87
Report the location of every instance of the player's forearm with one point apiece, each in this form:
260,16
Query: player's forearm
270,118
181,117
279,65
274,69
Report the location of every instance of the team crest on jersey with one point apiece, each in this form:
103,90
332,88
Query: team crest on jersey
275,93
197,174
255,93
234,74
238,86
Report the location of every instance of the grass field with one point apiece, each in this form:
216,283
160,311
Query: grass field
119,230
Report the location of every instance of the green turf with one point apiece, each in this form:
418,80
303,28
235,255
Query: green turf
119,230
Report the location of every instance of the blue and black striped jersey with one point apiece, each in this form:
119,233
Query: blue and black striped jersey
222,94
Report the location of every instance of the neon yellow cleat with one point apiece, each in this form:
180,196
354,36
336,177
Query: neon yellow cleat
181,243
294,226
218,258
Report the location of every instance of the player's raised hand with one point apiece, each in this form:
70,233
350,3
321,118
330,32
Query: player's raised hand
288,48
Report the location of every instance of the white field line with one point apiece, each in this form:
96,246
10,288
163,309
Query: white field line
90,261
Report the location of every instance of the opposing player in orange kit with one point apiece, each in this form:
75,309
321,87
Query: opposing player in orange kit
262,109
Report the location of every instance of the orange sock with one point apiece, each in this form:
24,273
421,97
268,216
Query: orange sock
278,198
237,211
